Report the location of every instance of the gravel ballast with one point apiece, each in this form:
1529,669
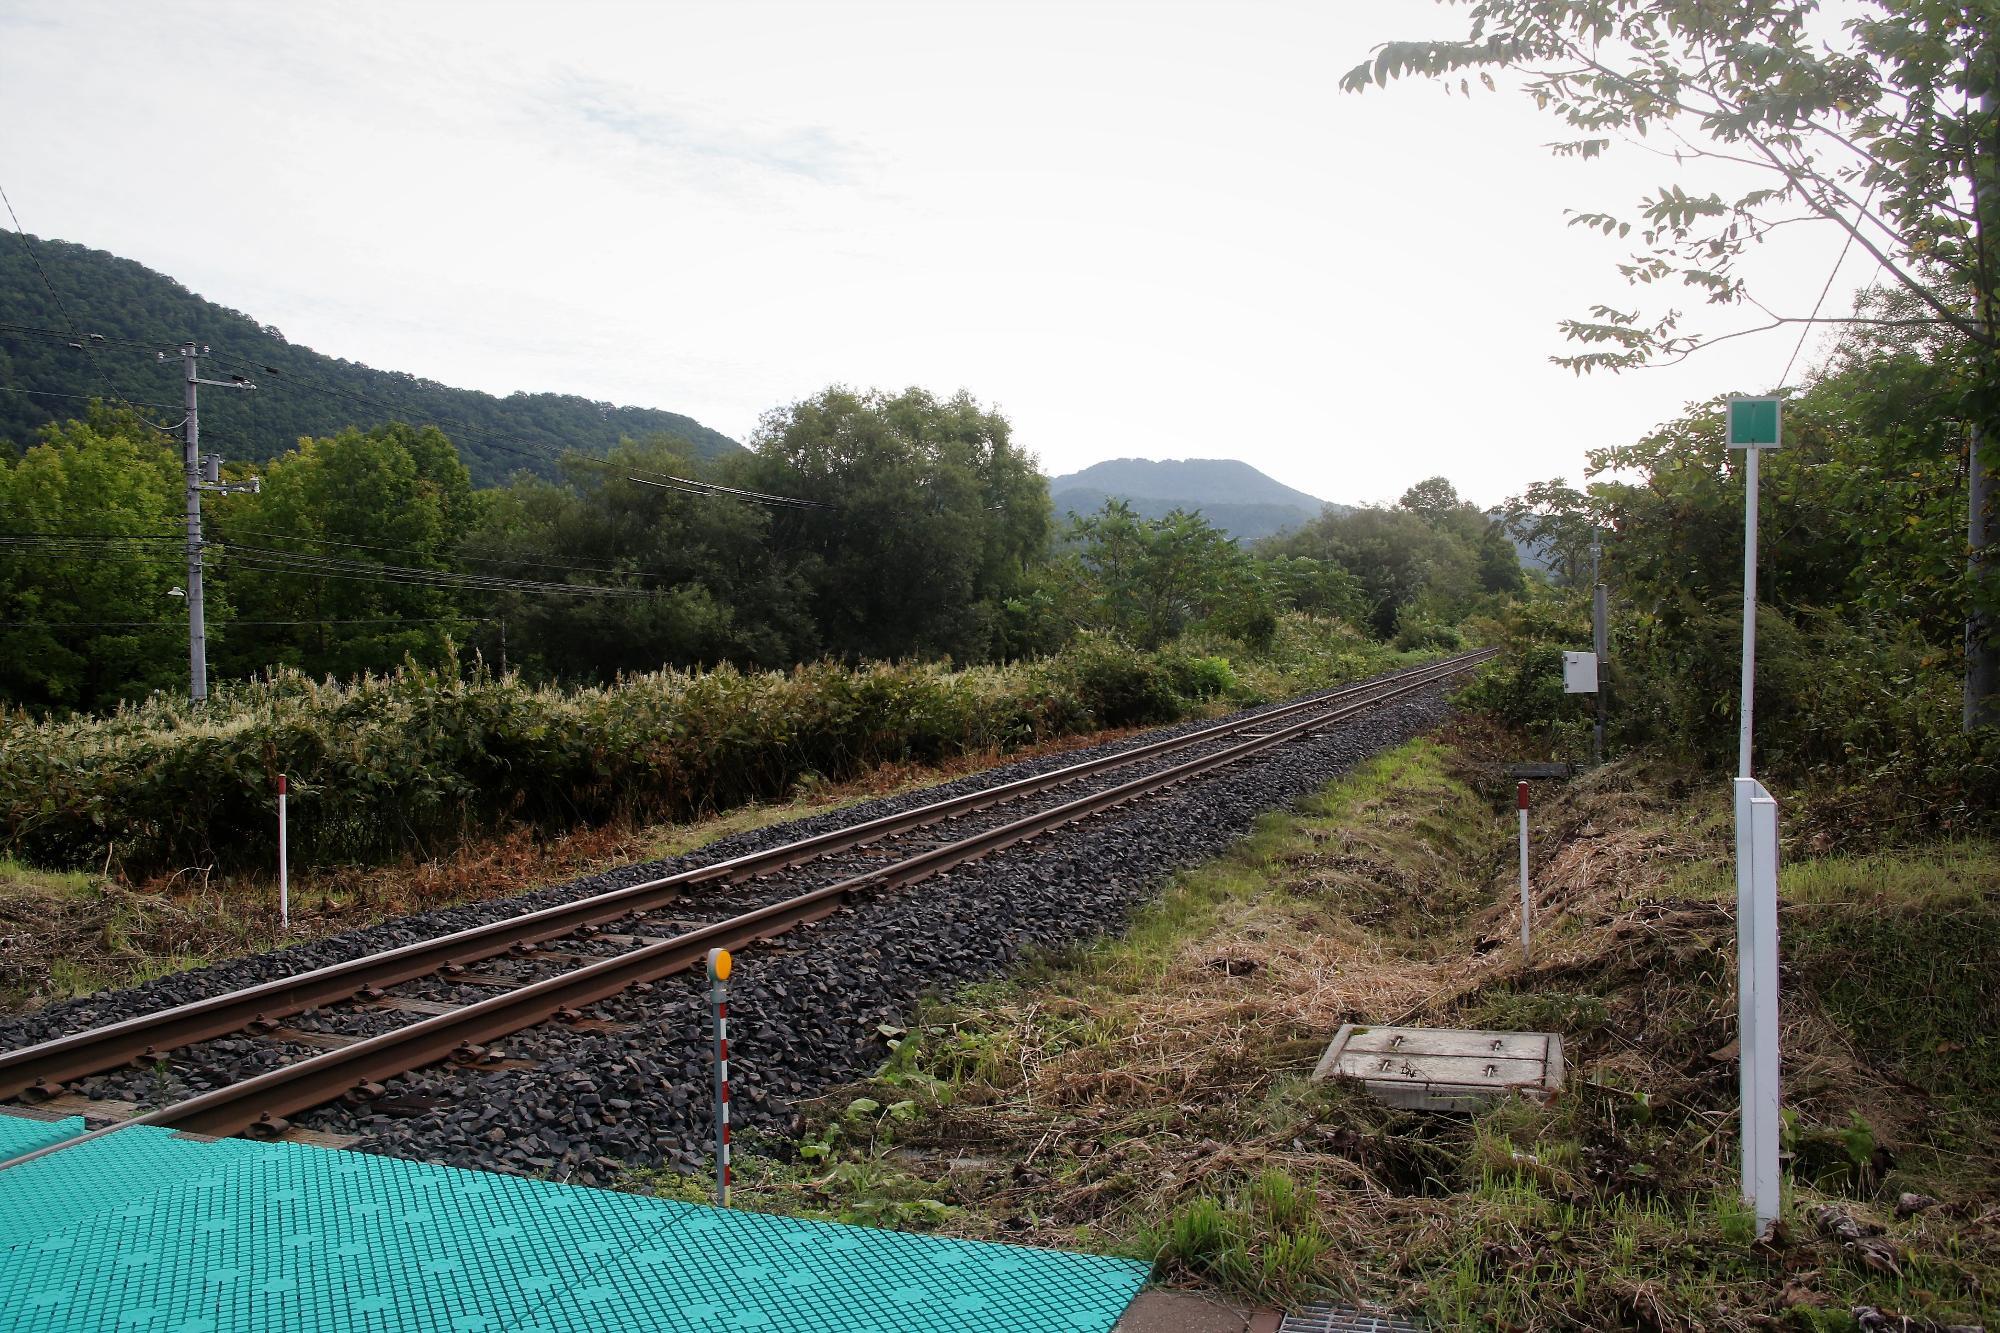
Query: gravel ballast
807,1010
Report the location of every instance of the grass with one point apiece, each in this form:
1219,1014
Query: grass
1151,1094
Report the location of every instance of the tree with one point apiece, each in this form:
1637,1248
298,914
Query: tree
1396,556
1431,498
88,622
1558,523
1883,130
1877,131
720,592
922,517
1150,579
395,495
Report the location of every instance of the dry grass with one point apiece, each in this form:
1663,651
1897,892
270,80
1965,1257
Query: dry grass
1150,1094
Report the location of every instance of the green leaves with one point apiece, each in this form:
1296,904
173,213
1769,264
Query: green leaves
1873,129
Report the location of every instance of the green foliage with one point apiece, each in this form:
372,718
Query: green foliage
1524,685
417,758
395,495
125,300
82,626
932,517
1874,122
1862,587
1893,946
1434,556
1416,632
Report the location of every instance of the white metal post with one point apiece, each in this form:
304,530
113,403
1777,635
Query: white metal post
1521,801
1749,608
1600,641
1757,994
284,863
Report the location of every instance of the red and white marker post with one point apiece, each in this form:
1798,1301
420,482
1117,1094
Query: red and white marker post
719,964
284,864
1521,801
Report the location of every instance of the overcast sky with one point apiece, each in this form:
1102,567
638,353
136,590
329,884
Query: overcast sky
1139,229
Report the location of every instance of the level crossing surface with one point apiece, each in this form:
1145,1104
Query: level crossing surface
149,1231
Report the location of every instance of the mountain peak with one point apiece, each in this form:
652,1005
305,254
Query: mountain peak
1228,492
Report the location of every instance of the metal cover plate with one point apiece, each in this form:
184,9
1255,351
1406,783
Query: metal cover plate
1444,1068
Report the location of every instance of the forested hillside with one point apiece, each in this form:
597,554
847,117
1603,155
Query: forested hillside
1228,493
44,377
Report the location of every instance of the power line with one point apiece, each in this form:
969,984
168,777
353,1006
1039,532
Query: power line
467,431
82,397
272,560
178,624
295,561
71,337
458,555
1811,319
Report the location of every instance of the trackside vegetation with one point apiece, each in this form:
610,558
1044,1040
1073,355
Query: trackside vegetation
1151,1094
415,761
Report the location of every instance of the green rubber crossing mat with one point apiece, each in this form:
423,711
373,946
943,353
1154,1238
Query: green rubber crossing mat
41,1198
19,1134
150,1233
719,1269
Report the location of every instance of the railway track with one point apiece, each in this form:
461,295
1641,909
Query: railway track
758,897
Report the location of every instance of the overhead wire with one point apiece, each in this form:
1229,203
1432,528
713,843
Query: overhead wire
226,624
460,555
273,560
1813,318
81,397
266,556
467,431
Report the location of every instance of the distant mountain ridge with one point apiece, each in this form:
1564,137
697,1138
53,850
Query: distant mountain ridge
1229,493
301,392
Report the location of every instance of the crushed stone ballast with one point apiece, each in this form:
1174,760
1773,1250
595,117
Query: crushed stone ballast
623,1082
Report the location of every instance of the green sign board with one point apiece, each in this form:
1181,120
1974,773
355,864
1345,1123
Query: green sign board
1753,423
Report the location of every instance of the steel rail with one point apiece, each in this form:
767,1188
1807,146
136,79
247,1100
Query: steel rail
264,1100
49,1064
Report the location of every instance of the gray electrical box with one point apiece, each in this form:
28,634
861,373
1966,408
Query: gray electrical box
1579,673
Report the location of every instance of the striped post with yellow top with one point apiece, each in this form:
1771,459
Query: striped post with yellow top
719,964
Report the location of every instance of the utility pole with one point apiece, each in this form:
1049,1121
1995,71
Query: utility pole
1600,639
201,474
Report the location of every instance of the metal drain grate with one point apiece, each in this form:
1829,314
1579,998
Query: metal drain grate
1345,1319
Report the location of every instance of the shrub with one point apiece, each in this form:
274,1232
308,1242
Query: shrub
1415,633
413,761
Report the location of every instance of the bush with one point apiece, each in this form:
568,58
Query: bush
416,760
1416,633
1201,677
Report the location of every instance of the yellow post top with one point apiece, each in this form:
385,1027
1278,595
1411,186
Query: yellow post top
719,963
